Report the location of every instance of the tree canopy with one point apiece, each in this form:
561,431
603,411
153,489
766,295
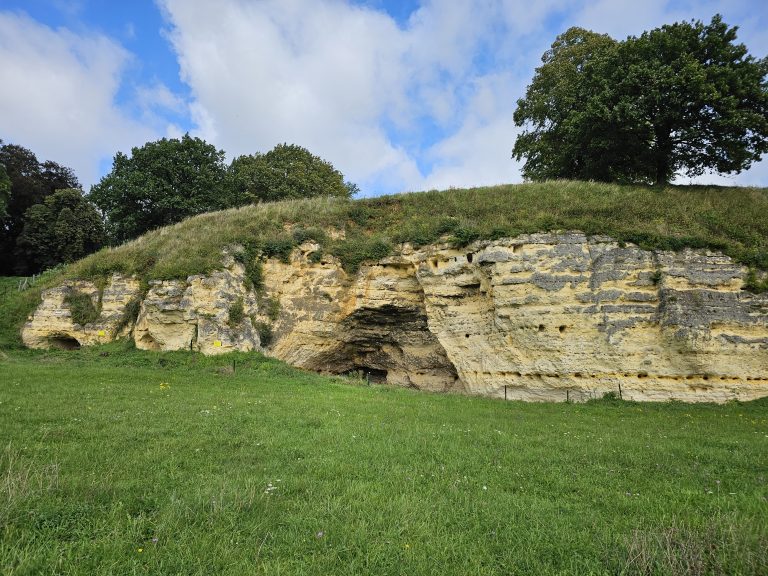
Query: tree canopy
5,192
64,228
27,182
286,171
161,183
683,98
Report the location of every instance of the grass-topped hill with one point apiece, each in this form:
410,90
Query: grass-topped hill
674,217
726,219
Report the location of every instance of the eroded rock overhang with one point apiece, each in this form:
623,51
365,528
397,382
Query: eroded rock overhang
536,317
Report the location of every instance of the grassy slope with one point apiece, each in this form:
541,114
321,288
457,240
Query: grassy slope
15,306
730,219
727,219
158,464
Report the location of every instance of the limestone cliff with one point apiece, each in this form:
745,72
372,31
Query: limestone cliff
536,317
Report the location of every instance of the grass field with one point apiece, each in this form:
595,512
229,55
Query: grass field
120,462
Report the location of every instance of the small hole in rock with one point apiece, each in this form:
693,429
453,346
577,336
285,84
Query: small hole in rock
469,257
64,342
562,329
541,327
373,374
149,343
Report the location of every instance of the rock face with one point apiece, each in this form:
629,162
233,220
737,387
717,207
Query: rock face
52,326
195,314
538,317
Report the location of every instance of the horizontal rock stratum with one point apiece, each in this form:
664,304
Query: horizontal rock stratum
551,317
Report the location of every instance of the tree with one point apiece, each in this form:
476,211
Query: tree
683,98
64,228
286,171
5,192
555,106
161,183
30,183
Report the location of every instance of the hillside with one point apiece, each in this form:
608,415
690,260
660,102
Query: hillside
724,219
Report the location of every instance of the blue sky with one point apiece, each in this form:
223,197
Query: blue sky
398,95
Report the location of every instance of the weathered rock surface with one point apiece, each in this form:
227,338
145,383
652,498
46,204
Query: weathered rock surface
195,314
537,317
51,326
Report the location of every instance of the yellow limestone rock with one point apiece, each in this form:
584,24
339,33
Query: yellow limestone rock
560,316
194,314
553,317
374,323
51,325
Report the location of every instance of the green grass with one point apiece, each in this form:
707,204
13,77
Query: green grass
115,461
15,307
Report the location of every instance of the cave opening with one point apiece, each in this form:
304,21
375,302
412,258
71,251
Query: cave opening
63,342
148,342
375,375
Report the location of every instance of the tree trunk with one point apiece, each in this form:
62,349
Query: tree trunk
663,156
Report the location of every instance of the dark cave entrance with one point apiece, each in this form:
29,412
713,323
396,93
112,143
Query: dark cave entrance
374,375
63,342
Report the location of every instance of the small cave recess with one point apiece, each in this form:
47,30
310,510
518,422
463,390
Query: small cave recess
63,342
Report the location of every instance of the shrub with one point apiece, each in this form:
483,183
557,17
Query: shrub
463,236
129,316
264,329
280,248
354,251
271,308
250,260
755,284
236,312
301,235
81,307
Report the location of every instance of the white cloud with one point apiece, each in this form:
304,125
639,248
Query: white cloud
159,97
320,74
58,95
350,84
479,153
427,103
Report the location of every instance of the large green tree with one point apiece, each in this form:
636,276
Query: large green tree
286,171
161,183
64,228
683,98
31,181
5,192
